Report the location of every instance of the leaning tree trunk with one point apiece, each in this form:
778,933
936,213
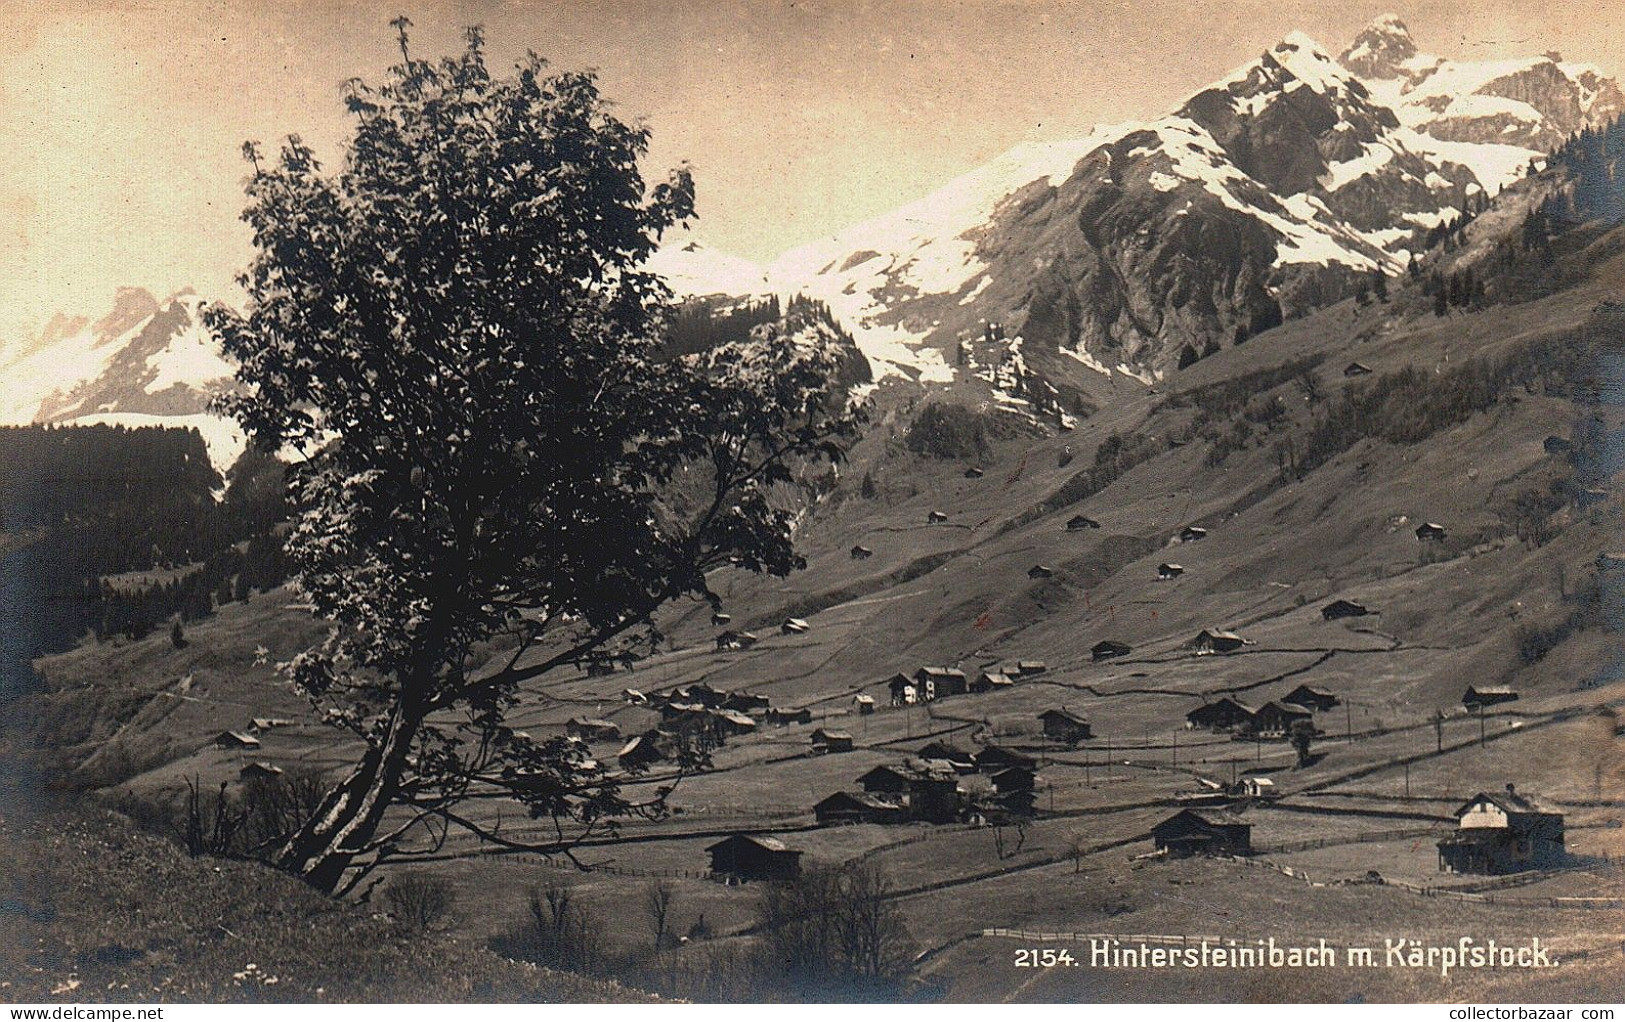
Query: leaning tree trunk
323,849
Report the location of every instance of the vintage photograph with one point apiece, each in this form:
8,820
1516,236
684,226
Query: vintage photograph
804,501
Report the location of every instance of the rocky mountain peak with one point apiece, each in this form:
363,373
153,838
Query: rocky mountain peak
1380,49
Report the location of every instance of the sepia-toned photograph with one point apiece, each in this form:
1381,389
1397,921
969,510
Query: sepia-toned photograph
807,501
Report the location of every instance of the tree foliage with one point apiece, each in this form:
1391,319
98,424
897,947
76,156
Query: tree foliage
455,329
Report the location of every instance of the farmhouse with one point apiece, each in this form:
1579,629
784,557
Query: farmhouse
748,857
948,752
794,626
861,553
1203,832
1077,523
1502,833
936,517
259,771
236,740
593,729
1317,699
1479,696
1040,571
1338,609
989,681
828,740
857,807
1106,649
935,682
993,759
1063,725
1222,714
1274,718
1356,369
1430,532
1192,533
1215,640
1169,570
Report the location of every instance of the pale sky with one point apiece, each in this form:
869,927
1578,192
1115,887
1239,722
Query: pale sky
121,120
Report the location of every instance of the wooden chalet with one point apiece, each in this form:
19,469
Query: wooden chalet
936,682
861,553
1203,832
846,807
1062,725
1503,833
236,740
1310,698
1338,609
1108,648
1168,570
1275,718
1223,714
1192,534
1217,640
1479,696
259,771
991,681
1430,532
1078,523
994,758
1356,369
828,740
593,729
752,857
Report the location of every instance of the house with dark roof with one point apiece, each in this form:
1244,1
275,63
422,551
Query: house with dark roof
1223,714
1062,725
993,758
754,857
846,807
1479,696
1203,832
1275,719
1338,609
1168,570
1503,832
1310,698
1078,523
1108,648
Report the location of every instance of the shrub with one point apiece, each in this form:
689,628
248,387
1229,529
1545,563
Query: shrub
417,900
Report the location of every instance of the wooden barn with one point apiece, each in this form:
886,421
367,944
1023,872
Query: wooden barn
1356,369
991,681
1062,725
974,473
719,619
864,703
794,626
593,729
1338,609
993,758
936,518
846,807
861,553
259,771
1317,699
736,640
1014,779
1031,668
1223,714
1503,833
1430,532
1168,570
888,779
236,740
1108,648
962,761
1078,523
829,740
1203,832
936,682
1217,640
1275,719
1192,534
750,857
1040,571
1479,696
934,795
645,750
902,689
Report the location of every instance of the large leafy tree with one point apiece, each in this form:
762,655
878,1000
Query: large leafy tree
455,328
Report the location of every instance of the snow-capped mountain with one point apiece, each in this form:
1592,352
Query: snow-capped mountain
1261,196
143,363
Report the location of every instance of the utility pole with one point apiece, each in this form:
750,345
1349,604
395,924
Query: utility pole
1438,731
1480,725
1348,720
